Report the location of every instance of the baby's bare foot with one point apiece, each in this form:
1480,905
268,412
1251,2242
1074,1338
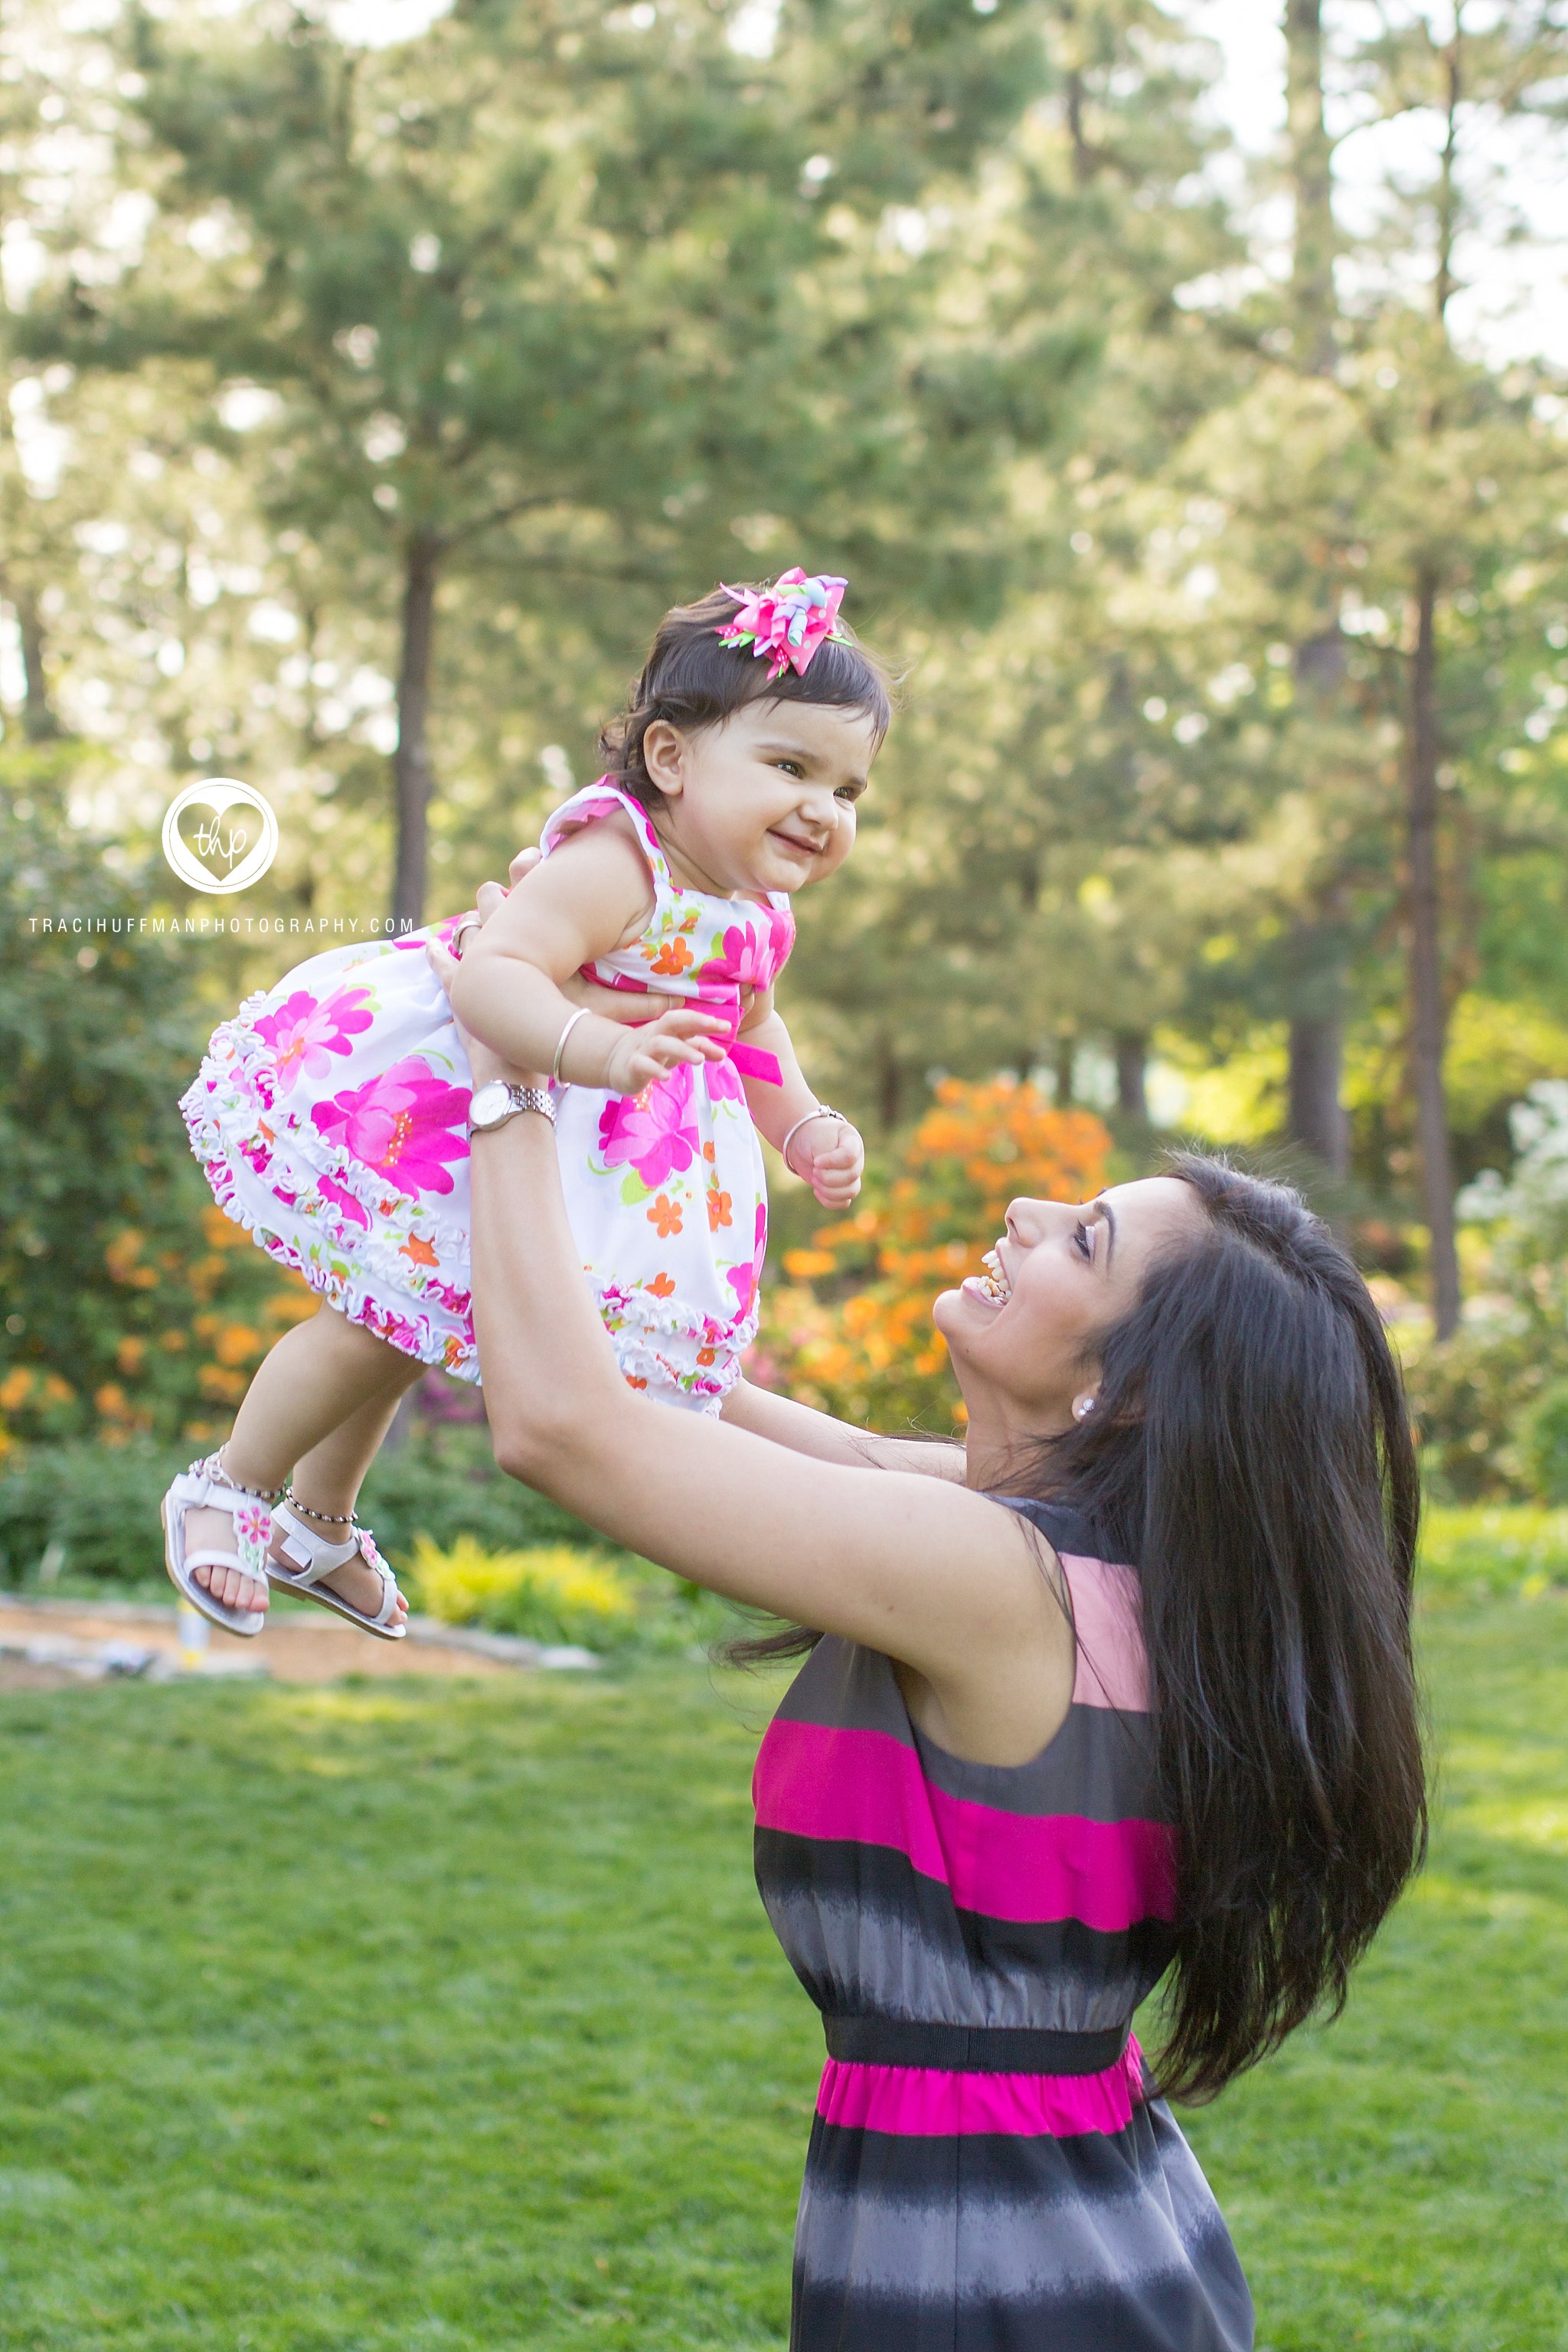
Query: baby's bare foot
208,1530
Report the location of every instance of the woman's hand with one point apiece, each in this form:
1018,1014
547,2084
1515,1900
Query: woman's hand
831,1157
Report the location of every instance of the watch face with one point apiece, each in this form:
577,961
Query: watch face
490,1103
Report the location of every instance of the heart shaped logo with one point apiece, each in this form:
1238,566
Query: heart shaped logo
229,840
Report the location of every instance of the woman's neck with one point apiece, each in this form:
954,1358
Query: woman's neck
1000,1442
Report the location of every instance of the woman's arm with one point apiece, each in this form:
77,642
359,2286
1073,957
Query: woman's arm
919,1567
785,1421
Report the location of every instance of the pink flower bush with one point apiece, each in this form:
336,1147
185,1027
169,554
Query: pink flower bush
654,1131
401,1124
305,1033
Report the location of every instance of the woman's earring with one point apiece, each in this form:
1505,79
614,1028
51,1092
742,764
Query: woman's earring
1082,1407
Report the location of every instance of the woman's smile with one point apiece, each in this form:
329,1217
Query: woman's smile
995,1286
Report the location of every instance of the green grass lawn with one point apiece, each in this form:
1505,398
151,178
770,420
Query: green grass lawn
445,2015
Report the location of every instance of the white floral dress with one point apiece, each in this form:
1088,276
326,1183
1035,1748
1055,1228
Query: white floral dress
330,1118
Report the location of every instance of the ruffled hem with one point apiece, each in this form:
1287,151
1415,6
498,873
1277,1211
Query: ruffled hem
413,1337
401,1249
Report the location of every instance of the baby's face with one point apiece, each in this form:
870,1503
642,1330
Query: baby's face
767,801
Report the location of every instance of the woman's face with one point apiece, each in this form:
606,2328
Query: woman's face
1023,1338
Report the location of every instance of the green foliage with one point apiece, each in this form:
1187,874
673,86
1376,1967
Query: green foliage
505,1990
1471,1398
84,1511
1544,1444
1491,1551
116,1268
441,1484
566,1592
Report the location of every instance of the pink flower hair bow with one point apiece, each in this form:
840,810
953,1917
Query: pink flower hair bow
787,621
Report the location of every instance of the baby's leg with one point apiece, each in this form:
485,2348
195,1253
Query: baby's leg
327,1480
321,1375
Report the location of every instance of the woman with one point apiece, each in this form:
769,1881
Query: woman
1121,1686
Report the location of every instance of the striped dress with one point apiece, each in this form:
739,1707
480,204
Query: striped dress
989,2169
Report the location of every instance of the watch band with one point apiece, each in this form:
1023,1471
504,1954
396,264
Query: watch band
519,1098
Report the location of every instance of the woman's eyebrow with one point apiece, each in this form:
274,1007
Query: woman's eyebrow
1109,1213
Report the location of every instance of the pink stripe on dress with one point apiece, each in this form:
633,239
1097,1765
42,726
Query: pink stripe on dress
813,1780
929,2101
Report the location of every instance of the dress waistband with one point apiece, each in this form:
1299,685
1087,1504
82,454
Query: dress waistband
973,2049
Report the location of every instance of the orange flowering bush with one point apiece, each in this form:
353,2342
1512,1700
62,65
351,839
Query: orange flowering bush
849,1328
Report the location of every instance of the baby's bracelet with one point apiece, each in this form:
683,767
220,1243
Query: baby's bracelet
572,1020
823,1110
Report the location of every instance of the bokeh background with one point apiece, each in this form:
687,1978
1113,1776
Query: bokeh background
1183,390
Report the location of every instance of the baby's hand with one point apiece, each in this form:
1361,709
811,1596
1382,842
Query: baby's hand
830,1155
639,1057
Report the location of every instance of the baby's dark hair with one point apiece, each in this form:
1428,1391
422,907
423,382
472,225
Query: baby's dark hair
692,681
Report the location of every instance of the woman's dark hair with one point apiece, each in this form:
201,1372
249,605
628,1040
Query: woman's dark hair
692,680
1249,1451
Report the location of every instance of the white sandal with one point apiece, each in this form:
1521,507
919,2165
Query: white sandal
308,1557
207,1485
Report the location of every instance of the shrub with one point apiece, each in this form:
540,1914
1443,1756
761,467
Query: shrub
440,1484
1472,1399
86,1509
1544,1444
556,1593
82,1510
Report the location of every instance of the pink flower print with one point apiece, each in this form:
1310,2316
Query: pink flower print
253,1529
341,1198
367,1549
401,1125
653,1131
737,958
743,1279
304,1034
723,1082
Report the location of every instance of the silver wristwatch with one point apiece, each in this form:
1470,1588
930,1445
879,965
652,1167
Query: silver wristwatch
495,1102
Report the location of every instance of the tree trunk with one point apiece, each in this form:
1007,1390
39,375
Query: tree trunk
39,722
889,1087
1317,1116
1317,1120
411,761
1312,183
1132,1055
1428,1017
1066,1055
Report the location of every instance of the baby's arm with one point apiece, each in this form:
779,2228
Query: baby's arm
589,898
826,1151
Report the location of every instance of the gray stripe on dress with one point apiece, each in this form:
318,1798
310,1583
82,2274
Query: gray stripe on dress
1032,2249
877,1963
